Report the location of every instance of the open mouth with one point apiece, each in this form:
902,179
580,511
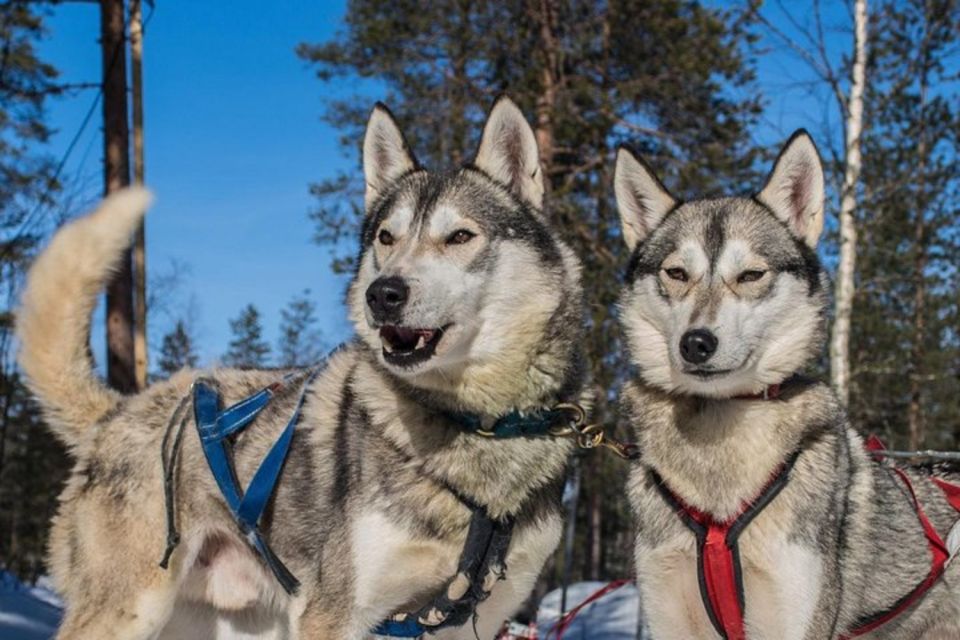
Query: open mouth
406,347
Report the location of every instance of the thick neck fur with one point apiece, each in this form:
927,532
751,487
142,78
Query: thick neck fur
542,379
500,474
717,454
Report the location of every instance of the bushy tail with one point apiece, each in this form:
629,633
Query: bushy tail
53,322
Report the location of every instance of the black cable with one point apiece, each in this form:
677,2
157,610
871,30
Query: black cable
168,459
31,219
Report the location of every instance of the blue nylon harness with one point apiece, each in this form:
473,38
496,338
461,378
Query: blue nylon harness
487,540
215,427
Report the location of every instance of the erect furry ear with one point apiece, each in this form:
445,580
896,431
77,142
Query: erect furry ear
508,152
386,156
795,191
641,198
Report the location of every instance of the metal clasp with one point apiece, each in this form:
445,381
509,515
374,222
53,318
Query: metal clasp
591,436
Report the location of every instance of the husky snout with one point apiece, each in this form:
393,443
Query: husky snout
387,297
698,345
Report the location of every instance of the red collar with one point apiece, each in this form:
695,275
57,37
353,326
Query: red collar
770,393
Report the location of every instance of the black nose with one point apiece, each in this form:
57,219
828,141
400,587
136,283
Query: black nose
697,346
386,297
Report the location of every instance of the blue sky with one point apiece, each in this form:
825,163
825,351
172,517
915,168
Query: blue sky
234,137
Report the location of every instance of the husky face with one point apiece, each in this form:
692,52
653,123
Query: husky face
459,274
724,296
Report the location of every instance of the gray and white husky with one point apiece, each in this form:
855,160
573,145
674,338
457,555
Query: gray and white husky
465,300
724,304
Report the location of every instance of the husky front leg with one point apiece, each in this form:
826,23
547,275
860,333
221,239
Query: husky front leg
127,613
321,622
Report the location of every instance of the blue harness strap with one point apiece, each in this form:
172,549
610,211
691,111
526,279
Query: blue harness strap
488,540
215,426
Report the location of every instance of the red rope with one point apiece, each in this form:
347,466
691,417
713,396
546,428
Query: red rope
567,619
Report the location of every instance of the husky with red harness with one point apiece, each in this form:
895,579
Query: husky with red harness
761,512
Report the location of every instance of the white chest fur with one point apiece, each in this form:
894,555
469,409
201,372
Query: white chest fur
781,581
392,566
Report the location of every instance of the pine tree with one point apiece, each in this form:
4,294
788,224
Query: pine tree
33,465
247,348
177,352
905,348
300,341
668,76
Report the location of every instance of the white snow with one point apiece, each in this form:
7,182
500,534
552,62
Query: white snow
612,617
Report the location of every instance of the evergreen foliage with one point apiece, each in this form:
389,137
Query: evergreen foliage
247,348
300,343
177,351
33,465
670,77
905,350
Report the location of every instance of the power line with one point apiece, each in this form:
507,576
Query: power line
34,217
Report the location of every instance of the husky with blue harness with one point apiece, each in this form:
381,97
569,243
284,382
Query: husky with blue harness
409,485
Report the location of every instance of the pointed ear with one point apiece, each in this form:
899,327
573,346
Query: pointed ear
386,156
641,198
508,152
795,191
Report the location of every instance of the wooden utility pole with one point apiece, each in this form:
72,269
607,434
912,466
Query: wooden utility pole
140,244
116,175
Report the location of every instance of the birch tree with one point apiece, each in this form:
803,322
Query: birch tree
846,269
810,46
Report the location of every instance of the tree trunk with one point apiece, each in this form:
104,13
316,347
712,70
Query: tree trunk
121,372
915,413
596,528
140,241
546,12
459,82
840,341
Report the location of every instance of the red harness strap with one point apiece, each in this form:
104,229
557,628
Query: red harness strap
718,553
939,554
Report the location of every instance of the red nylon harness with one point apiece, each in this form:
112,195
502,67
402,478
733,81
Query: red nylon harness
718,551
939,553
718,554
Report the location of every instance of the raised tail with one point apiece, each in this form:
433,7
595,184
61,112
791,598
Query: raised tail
53,322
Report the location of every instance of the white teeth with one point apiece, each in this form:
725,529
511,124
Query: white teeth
421,342
387,346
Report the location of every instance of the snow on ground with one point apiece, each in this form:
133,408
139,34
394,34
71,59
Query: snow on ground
27,613
33,613
612,617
